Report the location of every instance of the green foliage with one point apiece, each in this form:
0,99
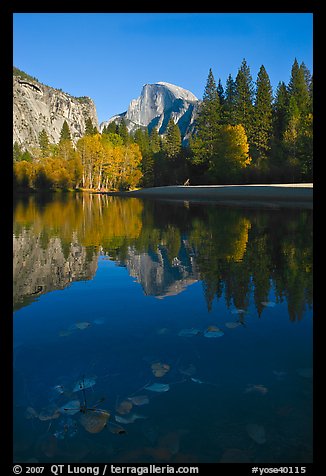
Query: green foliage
44,143
207,124
172,140
17,152
244,98
111,128
262,126
65,132
90,130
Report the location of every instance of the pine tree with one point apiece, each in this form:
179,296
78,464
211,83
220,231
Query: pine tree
111,128
280,110
262,119
17,152
298,137
220,92
228,111
172,140
155,141
44,143
299,87
244,99
123,132
65,132
90,130
207,123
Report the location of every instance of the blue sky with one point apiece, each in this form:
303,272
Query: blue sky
110,56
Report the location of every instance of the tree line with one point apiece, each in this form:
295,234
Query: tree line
242,134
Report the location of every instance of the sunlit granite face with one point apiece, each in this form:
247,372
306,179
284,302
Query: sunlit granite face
37,107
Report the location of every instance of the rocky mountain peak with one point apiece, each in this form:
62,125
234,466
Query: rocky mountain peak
157,103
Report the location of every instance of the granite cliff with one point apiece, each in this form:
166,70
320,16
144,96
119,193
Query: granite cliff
37,106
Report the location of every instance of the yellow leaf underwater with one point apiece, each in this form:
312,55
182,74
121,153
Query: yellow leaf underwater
160,369
94,421
124,407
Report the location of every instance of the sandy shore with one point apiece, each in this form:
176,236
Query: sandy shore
292,195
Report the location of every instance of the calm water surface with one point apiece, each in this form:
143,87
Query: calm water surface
114,296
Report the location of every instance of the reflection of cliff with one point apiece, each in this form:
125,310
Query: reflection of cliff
159,275
38,269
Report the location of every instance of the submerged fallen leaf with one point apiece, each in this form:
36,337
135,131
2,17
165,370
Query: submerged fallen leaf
116,429
51,412
71,407
124,407
189,332
212,329
189,370
131,418
232,325
158,387
257,389
84,383
213,334
94,421
160,369
139,400
58,389
82,325
66,428
256,433
30,413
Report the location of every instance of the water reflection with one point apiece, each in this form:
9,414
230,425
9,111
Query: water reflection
235,253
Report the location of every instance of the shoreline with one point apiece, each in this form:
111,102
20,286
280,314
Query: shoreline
272,195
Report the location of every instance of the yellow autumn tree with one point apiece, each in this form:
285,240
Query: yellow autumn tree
24,174
231,154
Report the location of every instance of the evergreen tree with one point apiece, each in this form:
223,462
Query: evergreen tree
172,140
280,110
262,128
17,152
26,156
65,132
90,130
155,141
123,132
280,120
141,137
220,92
298,137
111,128
299,86
244,99
228,113
44,143
207,123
